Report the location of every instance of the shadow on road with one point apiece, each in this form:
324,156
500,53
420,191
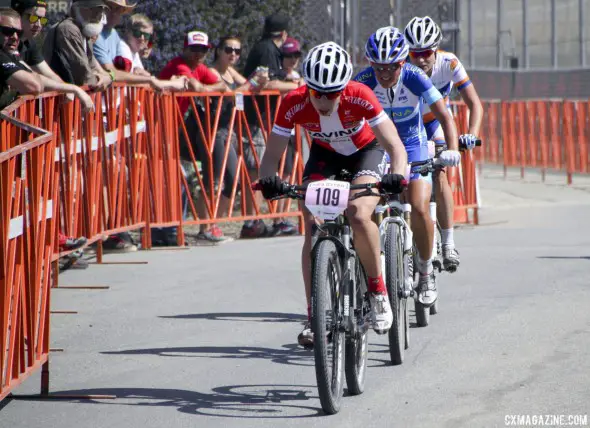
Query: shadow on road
236,316
289,354
564,257
235,401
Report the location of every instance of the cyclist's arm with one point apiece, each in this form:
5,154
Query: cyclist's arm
389,139
272,155
447,123
469,95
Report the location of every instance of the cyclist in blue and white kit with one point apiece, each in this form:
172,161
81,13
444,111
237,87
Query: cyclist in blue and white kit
400,88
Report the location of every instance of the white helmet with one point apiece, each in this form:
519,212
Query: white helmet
422,33
327,68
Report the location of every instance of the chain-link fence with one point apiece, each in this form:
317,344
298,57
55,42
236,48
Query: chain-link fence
347,22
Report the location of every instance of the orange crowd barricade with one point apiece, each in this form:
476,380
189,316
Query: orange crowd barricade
550,135
28,195
219,123
463,179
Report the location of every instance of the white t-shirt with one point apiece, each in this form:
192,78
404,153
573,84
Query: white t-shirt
126,60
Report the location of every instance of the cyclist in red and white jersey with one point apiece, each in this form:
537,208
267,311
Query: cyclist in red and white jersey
445,71
350,131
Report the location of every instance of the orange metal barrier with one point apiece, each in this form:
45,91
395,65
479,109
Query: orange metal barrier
463,179
28,195
550,135
239,136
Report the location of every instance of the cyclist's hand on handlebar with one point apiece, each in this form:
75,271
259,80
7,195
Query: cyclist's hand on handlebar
450,158
468,141
393,183
272,187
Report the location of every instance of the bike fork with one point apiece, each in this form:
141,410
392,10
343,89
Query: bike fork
347,285
433,217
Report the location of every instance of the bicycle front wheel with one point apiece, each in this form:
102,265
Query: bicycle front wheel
325,323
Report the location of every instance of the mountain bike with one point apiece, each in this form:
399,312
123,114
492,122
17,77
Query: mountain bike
340,308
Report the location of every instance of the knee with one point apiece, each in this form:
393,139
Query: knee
421,209
359,217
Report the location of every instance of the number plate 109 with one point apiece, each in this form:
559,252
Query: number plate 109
327,199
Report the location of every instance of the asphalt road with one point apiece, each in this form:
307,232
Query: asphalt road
206,337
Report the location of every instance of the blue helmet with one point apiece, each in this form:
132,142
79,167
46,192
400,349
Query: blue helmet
386,46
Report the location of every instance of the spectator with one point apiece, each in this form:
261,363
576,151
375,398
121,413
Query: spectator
15,77
201,79
105,48
226,56
68,46
265,53
139,31
33,19
291,54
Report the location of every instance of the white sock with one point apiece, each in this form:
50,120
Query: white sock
424,266
447,237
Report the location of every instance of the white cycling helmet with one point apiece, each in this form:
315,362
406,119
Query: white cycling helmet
386,46
327,68
422,33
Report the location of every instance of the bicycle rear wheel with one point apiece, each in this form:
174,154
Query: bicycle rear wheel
325,323
394,273
357,345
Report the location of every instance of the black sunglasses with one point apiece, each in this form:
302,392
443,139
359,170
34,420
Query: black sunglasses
138,33
199,48
228,50
9,31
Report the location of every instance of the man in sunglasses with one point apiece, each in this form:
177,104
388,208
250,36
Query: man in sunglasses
33,20
12,64
15,77
446,71
401,88
350,131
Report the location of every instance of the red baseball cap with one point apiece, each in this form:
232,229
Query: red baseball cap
291,46
197,38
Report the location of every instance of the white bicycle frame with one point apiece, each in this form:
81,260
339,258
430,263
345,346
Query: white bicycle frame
407,235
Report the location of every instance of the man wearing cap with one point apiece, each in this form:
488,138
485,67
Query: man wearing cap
68,45
191,63
265,53
32,13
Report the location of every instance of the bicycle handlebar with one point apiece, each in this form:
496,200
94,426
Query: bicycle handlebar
295,191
